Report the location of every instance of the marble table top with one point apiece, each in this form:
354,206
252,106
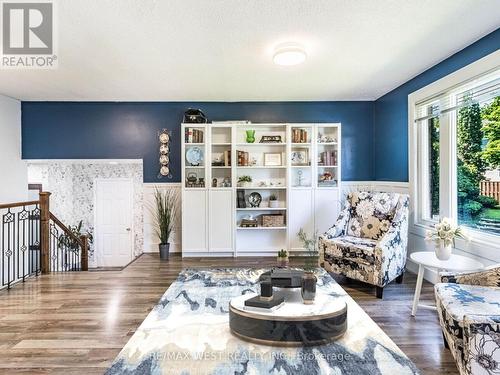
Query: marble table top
324,306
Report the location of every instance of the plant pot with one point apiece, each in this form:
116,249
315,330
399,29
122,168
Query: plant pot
443,252
164,250
244,184
308,287
274,204
283,262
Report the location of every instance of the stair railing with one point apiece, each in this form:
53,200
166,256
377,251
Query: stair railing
30,242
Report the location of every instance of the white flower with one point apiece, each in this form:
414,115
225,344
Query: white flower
384,225
383,203
354,228
365,209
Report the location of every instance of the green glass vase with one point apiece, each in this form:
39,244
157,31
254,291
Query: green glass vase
250,136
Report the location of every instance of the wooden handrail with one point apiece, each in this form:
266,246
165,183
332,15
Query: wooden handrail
18,204
66,229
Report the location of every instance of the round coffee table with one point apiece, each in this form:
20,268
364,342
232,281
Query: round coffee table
428,259
293,324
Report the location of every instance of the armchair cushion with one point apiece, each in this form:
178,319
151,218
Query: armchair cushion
359,250
371,214
488,277
458,306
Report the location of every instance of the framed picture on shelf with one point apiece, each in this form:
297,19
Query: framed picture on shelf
300,157
272,159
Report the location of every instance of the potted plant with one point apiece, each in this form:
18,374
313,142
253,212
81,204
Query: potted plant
244,181
65,240
310,264
443,235
273,201
164,213
283,258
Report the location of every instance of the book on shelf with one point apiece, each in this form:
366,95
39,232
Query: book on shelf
328,158
243,158
192,135
299,135
227,158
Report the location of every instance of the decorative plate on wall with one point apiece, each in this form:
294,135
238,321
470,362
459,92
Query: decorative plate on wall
164,136
164,149
164,159
164,171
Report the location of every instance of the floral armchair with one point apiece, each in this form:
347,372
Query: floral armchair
468,307
368,242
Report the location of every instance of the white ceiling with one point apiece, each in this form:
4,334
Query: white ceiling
221,50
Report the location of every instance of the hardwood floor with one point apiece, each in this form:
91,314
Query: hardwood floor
76,323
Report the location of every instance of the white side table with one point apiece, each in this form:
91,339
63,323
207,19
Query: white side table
428,259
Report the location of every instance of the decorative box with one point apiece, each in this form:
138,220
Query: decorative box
273,220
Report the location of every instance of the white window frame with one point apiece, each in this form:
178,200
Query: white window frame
482,244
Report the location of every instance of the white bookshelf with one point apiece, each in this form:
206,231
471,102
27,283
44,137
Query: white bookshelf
211,216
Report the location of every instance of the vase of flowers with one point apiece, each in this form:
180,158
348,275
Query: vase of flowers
443,235
283,258
311,263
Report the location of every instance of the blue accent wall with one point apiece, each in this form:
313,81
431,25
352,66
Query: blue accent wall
391,110
128,130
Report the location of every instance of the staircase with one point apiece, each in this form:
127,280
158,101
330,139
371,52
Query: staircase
30,242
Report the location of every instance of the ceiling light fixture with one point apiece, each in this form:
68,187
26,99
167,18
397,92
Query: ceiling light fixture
288,54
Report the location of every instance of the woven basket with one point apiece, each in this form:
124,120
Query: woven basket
273,220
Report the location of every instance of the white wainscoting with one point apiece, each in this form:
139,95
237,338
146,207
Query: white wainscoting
150,238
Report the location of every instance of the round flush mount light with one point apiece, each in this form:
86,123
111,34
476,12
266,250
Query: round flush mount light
289,54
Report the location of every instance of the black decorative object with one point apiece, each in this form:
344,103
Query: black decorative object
266,289
271,139
194,116
308,287
241,199
283,278
254,199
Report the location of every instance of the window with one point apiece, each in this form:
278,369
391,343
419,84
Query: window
477,164
458,154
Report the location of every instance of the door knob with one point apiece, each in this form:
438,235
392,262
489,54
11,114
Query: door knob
127,229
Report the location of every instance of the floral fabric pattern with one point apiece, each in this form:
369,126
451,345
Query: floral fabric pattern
488,277
470,319
368,211
369,248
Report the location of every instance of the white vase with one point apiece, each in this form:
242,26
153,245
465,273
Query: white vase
274,204
443,252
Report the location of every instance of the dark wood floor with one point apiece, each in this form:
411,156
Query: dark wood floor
77,323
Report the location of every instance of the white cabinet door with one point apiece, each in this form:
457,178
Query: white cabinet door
221,220
301,216
194,221
327,208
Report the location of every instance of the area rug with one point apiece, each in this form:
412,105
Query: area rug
187,333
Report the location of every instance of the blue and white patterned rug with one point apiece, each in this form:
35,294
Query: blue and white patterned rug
187,332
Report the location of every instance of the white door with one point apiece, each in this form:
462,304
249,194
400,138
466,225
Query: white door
113,222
